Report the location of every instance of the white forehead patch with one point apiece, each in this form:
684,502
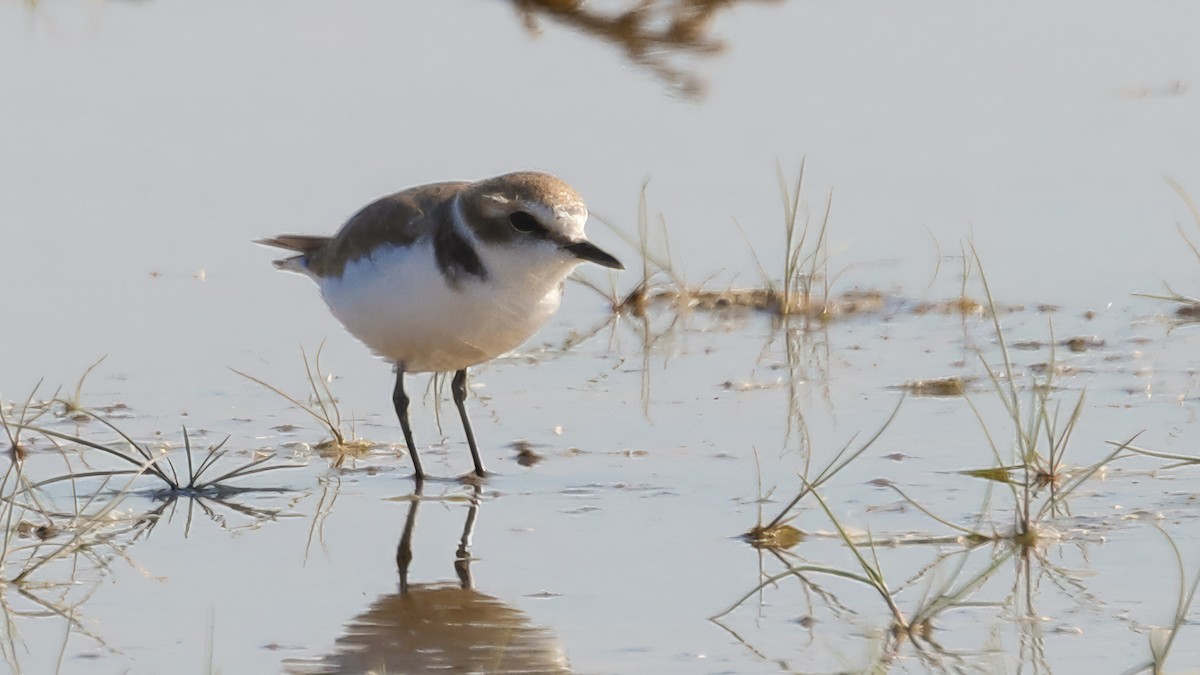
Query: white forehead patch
571,219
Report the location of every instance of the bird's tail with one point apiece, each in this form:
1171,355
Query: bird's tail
301,243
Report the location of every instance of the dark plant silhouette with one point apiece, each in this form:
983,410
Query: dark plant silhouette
654,34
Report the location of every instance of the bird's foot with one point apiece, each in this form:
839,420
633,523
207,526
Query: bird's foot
472,478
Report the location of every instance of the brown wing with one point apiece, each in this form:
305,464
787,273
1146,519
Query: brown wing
398,219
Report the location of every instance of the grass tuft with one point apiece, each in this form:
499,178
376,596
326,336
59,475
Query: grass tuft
145,460
72,406
777,530
324,409
1187,308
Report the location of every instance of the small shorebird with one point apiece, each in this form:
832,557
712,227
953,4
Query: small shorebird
442,277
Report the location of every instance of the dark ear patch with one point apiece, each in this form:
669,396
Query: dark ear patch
524,222
456,258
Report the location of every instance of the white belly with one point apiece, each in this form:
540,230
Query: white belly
399,305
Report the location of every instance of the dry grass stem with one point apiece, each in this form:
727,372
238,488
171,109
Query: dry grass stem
325,409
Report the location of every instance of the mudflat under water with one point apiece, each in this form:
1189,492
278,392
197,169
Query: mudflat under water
145,144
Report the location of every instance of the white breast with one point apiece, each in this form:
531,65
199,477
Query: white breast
399,304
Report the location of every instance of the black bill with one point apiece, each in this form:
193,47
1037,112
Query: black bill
586,250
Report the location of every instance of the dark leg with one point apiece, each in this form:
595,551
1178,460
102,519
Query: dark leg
404,554
462,557
400,399
458,386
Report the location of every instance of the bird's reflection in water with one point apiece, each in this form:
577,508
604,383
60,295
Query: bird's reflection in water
443,627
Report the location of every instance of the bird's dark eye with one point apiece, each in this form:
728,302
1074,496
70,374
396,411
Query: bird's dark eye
524,222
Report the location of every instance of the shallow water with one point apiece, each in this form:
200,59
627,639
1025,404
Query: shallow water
146,143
